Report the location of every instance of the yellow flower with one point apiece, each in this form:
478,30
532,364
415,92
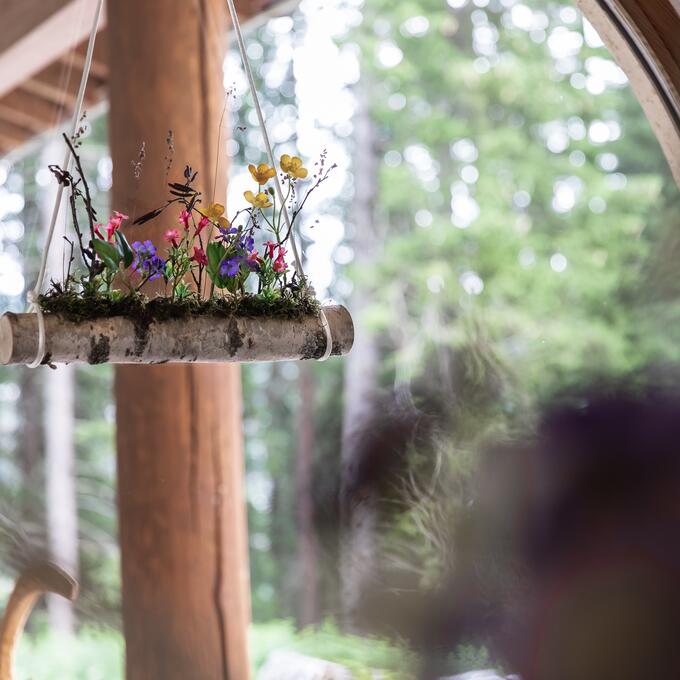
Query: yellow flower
260,201
293,166
262,173
214,212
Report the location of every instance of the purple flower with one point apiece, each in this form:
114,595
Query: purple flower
143,250
226,233
147,261
231,266
247,243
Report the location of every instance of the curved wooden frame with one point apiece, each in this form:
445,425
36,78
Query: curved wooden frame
643,36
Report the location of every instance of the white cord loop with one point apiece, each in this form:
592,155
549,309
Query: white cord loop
34,295
270,154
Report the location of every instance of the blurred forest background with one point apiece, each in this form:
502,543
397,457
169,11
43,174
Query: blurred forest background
503,226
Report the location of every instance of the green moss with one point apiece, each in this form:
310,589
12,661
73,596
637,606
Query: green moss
74,307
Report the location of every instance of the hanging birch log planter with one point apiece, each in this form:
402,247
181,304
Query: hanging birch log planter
218,289
201,338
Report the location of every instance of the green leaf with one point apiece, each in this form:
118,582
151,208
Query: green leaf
124,249
108,253
216,253
182,291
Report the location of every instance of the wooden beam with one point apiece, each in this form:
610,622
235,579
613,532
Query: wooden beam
16,134
180,459
59,84
38,32
20,17
30,111
99,67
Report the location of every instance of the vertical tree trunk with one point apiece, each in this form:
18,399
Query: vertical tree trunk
357,556
58,422
30,448
308,550
61,506
180,461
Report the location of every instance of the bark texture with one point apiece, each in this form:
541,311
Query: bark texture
183,533
201,339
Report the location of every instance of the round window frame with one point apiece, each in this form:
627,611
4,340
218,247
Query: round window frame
644,39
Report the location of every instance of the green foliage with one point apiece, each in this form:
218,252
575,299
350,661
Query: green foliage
109,253
99,655
126,254
533,222
364,656
92,655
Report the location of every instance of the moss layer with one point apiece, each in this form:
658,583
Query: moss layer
144,310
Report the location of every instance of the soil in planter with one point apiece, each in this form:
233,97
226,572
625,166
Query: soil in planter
142,310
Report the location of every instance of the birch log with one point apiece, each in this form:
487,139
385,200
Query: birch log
197,339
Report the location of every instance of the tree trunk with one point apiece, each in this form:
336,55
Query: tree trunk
182,515
62,510
58,422
308,549
357,555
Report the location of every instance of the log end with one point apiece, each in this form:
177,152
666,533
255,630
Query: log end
342,328
6,338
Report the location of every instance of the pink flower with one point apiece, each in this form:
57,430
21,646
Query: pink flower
270,246
115,222
172,236
98,230
280,265
200,256
202,224
184,218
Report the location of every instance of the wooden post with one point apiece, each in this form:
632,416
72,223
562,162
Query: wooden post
183,528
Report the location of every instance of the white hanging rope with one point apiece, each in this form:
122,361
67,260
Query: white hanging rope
34,295
270,154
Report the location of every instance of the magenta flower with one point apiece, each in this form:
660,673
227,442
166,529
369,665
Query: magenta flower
280,265
202,224
172,236
270,246
199,256
184,218
253,261
115,223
